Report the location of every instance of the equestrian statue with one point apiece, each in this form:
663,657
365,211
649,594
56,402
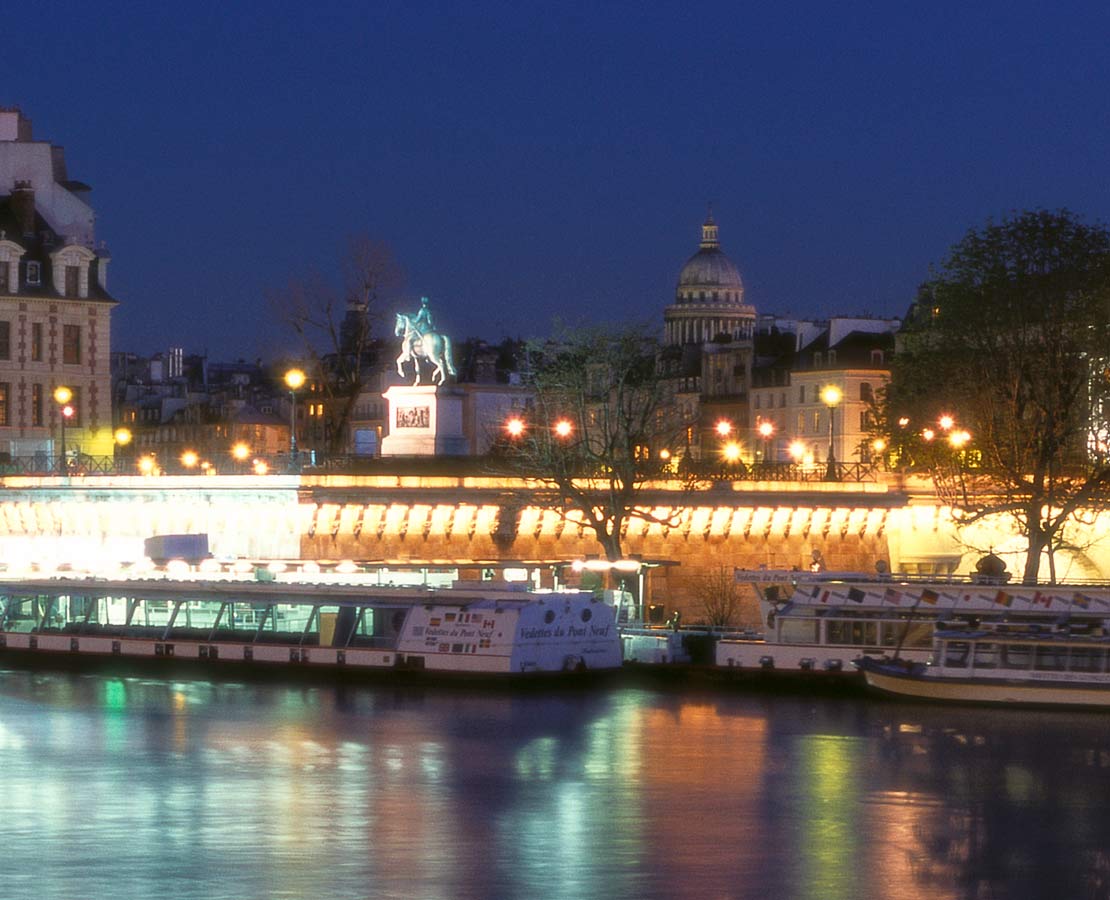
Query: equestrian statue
419,341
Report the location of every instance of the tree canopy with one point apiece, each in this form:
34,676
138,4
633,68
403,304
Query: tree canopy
1009,338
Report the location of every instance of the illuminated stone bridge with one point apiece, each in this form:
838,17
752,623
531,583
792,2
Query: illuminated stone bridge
446,522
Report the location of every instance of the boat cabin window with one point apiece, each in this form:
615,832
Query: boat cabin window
855,632
1087,659
986,656
799,630
1051,659
1017,656
955,653
907,634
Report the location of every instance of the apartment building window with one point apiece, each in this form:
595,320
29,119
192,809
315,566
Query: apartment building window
801,423
5,340
5,393
34,273
36,342
5,272
817,421
36,405
73,280
801,393
71,344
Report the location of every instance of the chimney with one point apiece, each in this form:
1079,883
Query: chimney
23,206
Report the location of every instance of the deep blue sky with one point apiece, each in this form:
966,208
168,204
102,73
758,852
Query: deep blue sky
528,161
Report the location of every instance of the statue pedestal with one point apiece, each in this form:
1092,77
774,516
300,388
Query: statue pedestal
425,420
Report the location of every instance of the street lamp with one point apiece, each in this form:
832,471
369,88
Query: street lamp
240,452
515,427
831,397
189,459
563,428
294,380
766,430
62,396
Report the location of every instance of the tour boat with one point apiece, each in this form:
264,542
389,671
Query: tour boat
1004,665
476,629
820,622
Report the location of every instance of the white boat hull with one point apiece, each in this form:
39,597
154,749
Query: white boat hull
976,690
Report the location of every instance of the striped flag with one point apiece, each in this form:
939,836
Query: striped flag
1082,601
892,596
825,597
929,596
856,595
1003,599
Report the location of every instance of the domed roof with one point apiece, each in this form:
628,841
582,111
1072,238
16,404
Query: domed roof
709,269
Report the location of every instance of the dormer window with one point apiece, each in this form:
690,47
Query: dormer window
71,270
34,273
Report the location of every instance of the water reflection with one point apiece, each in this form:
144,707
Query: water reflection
128,787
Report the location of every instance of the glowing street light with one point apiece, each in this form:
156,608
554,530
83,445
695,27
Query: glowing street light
731,452
260,467
294,380
959,439
563,428
797,450
831,397
724,428
766,430
946,422
515,427
62,396
189,459
240,452
147,465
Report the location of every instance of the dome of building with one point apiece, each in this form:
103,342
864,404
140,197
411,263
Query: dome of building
709,276
709,298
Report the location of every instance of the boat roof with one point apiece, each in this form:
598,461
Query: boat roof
930,595
483,594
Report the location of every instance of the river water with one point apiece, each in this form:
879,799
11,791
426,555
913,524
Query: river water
134,788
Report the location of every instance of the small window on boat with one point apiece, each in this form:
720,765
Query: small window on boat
1017,656
955,653
1050,659
587,614
1086,659
986,656
549,617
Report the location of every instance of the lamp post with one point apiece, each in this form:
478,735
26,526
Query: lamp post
766,431
294,380
121,437
831,396
62,396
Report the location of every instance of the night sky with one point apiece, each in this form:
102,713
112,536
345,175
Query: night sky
532,161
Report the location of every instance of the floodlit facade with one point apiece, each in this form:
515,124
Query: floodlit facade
55,309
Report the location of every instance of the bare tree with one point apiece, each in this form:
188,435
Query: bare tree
334,325
718,595
602,414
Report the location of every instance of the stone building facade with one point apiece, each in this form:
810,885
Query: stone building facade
55,309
